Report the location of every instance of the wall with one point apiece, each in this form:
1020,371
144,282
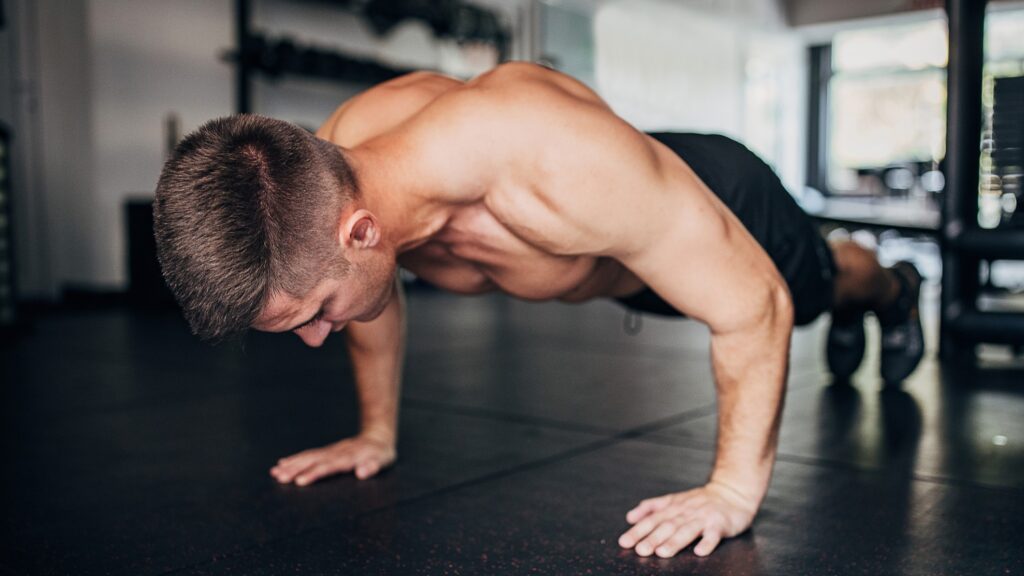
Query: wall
729,67
90,83
149,59
567,40
684,71
49,101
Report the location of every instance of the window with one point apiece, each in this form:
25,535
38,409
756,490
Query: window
886,119
881,121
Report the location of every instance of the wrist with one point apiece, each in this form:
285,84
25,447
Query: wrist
380,432
750,488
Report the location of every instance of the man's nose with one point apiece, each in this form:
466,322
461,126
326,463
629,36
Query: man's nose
311,340
314,336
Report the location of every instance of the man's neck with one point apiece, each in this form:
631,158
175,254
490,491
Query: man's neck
390,188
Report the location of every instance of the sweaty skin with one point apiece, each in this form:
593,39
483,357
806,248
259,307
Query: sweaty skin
523,180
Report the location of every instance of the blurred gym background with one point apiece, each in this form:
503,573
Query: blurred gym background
846,100
527,430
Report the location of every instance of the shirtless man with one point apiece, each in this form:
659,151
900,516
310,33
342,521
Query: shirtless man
520,180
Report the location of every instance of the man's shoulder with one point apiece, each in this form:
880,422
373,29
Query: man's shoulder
528,85
513,103
519,72
384,107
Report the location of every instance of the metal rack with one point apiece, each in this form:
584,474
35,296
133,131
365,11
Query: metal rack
8,309
964,244
255,53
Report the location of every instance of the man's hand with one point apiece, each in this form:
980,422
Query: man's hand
667,524
365,454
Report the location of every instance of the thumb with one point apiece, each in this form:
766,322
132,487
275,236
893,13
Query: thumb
366,469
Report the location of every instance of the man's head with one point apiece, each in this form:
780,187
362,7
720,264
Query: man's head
257,221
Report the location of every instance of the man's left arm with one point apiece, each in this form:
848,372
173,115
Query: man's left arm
611,190
750,361
568,175
706,264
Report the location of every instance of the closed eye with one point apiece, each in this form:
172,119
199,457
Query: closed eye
312,320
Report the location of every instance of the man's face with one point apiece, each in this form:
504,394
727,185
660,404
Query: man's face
360,295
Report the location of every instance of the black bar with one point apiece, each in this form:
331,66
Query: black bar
8,267
146,286
1006,244
995,327
963,140
279,57
243,75
817,125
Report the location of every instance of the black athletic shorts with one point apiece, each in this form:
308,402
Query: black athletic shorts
754,193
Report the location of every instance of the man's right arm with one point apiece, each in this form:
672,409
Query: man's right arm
376,349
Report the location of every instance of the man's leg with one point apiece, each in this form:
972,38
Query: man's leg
863,285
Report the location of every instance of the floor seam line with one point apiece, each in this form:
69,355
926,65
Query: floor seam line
507,416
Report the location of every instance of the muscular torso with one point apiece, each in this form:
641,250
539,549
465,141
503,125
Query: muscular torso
474,251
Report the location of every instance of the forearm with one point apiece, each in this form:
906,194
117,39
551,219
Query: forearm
750,368
376,349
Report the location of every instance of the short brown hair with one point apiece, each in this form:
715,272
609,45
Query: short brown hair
248,206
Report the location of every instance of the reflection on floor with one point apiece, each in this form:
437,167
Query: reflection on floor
527,432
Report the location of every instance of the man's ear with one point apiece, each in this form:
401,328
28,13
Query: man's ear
360,229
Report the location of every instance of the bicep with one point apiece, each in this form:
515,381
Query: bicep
665,225
714,271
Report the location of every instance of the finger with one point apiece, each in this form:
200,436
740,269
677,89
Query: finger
288,472
312,474
291,474
284,474
681,539
366,469
709,542
663,532
291,466
323,469
646,507
641,529
284,464
305,454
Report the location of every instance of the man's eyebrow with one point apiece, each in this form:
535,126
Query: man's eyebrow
314,317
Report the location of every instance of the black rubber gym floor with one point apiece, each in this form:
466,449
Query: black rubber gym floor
527,432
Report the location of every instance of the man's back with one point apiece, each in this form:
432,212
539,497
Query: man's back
473,252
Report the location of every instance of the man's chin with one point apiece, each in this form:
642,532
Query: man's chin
373,313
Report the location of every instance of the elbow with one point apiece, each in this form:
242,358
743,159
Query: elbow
782,313
769,313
